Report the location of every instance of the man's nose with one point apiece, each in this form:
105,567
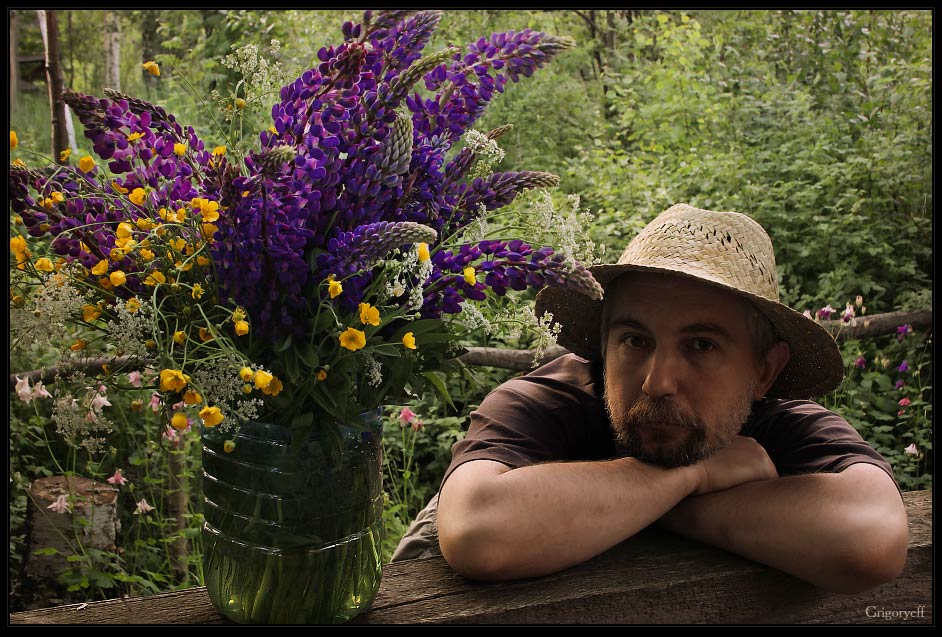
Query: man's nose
662,374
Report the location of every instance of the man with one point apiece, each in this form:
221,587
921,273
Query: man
682,404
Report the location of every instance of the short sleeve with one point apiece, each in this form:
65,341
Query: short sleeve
802,437
549,415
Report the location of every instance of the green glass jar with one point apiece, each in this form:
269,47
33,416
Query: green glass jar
293,526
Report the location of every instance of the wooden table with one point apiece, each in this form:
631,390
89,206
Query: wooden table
653,578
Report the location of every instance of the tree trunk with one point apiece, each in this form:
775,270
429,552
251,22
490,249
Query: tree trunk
112,51
57,107
91,520
14,65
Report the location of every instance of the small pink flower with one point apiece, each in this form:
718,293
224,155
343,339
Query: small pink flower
848,313
406,416
23,391
155,403
825,312
134,378
911,450
100,401
61,505
904,402
91,416
143,507
417,425
170,434
177,406
39,391
117,478
807,314
860,363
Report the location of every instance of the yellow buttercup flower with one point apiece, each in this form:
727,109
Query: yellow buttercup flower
228,446
205,335
423,252
90,313
321,375
219,151
369,315
178,421
209,210
146,254
408,339
274,387
179,337
155,277
14,140
124,230
137,196
151,67
238,315
179,149
117,278
44,265
173,380
263,379
239,103
64,155
133,137
132,305
246,374
208,230
202,261
469,276
352,339
86,164
246,389
334,289
192,397
78,345
241,328
119,188
197,292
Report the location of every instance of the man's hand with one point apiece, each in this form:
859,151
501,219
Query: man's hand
744,460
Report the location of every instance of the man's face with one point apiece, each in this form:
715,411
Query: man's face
680,367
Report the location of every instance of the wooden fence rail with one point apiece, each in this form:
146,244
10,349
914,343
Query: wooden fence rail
655,577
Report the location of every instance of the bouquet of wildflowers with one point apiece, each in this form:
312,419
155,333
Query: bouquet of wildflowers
317,275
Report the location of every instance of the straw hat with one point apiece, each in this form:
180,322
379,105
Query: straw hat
725,249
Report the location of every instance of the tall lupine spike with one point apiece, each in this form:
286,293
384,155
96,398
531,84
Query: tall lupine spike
405,41
138,106
399,87
376,24
397,150
372,242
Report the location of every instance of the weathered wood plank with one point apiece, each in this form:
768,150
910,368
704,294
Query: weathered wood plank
653,578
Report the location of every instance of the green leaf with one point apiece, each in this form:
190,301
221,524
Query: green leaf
46,551
437,380
284,345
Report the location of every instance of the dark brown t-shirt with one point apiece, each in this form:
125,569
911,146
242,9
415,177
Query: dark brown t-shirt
555,413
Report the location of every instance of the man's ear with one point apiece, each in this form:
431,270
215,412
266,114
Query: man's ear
771,366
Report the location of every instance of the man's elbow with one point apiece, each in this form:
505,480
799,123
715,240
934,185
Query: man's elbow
876,558
472,552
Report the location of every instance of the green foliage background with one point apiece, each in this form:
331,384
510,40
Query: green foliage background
816,122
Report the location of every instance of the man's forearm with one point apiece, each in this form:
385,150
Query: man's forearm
540,519
844,533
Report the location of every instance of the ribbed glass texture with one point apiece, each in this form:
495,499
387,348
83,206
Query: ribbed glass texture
293,527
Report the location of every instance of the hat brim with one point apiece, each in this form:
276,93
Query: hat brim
815,365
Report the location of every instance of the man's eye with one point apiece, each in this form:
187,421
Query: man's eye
633,340
702,345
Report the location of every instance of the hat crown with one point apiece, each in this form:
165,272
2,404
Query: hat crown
728,248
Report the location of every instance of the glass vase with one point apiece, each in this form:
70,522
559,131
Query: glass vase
293,523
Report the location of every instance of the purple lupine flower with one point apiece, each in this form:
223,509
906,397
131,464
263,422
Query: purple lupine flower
860,363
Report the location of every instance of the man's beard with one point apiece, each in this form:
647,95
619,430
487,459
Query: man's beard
681,439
